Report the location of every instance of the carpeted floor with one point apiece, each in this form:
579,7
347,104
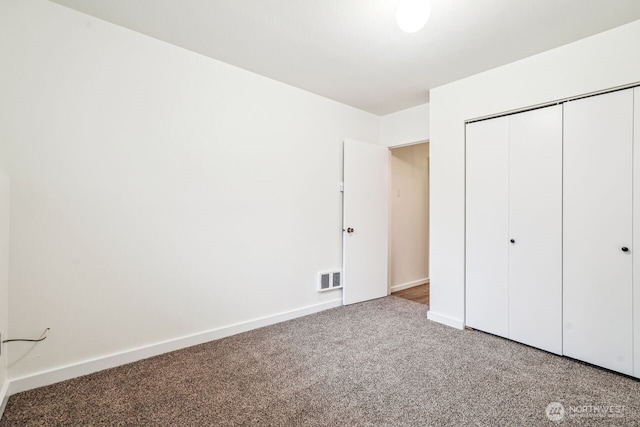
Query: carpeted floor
380,363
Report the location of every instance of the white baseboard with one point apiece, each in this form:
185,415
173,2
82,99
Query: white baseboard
17,385
408,285
4,397
445,320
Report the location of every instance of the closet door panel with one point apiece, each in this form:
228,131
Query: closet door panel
597,211
535,225
636,232
487,226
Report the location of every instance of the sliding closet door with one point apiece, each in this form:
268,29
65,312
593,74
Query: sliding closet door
636,232
535,228
487,226
597,291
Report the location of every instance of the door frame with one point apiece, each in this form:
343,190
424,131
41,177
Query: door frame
390,213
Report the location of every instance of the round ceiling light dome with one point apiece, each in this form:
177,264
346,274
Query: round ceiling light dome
412,15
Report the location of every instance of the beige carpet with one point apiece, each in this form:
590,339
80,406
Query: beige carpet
380,363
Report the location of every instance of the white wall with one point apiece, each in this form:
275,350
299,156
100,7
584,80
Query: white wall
602,61
406,126
4,281
409,217
157,193
4,253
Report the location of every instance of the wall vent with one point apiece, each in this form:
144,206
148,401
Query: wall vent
329,280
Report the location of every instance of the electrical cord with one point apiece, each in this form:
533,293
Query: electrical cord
46,333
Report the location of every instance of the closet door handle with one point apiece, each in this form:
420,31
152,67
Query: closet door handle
512,241
625,249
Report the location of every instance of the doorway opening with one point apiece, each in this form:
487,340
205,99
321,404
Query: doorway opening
409,222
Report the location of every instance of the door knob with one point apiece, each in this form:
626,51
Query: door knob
349,230
512,241
625,249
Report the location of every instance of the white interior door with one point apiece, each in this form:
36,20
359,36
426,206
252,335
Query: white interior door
535,226
636,232
487,226
365,222
597,226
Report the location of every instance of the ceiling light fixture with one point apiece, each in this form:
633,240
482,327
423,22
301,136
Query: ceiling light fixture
412,15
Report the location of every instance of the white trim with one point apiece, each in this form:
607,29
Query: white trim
17,385
4,397
445,320
408,285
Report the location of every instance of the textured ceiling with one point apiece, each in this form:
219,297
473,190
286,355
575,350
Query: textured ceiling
352,51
